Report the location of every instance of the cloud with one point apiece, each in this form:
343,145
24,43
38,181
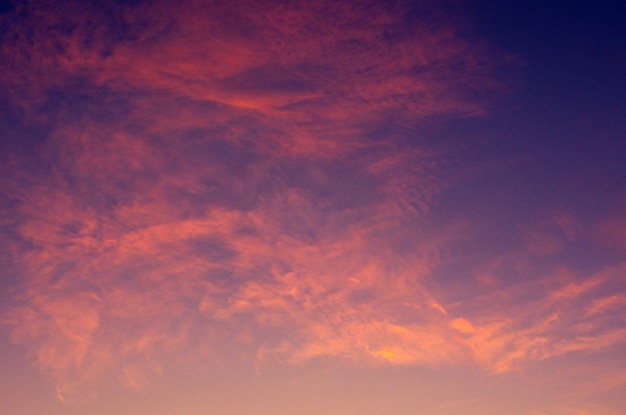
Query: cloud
223,180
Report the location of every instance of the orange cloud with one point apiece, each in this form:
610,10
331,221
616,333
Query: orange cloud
220,179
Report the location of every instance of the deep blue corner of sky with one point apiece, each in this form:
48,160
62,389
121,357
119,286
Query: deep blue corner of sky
570,104
573,50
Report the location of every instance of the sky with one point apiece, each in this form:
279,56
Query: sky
312,207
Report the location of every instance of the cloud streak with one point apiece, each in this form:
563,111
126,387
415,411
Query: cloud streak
226,180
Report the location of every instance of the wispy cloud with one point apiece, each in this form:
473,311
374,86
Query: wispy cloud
230,179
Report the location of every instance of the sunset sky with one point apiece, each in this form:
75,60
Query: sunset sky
316,207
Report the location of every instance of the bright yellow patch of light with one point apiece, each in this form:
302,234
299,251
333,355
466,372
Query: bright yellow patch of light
384,354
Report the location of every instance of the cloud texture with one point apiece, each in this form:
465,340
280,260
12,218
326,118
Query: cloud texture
237,181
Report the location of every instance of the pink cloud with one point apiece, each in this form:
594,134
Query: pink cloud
220,181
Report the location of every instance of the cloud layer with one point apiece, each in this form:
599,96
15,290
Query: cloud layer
217,182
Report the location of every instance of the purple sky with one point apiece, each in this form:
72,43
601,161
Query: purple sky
285,207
